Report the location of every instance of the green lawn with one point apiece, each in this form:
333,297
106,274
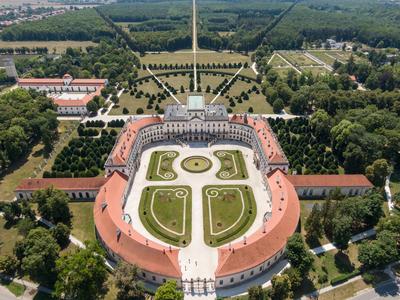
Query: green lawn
166,212
184,57
277,61
395,182
233,210
233,165
26,167
15,288
316,70
82,220
8,237
132,103
298,58
196,164
160,166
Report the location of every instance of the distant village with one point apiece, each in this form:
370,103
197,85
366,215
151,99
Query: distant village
11,16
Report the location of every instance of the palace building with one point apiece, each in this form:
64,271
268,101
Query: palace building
71,95
181,124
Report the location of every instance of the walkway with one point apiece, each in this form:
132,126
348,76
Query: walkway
317,60
194,44
289,63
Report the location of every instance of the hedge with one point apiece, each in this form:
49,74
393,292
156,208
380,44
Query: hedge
344,277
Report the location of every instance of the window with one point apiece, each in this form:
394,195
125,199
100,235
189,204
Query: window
242,277
251,273
232,279
261,268
154,278
221,282
143,274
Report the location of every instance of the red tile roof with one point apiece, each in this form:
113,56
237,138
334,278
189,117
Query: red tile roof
344,180
268,241
267,138
40,81
89,183
121,237
127,137
81,102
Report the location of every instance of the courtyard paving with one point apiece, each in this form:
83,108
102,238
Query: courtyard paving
198,260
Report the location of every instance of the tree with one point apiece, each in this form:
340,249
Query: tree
313,224
341,231
321,125
82,274
115,99
396,200
256,293
53,205
379,252
61,233
92,107
38,253
378,171
294,277
278,106
125,111
8,265
139,111
281,288
297,254
127,282
168,291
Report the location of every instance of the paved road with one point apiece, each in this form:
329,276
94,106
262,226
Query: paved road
388,291
194,39
5,294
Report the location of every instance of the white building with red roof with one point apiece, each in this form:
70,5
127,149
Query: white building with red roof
71,95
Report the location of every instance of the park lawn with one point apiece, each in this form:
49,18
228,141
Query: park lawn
9,236
315,71
132,104
15,288
226,208
24,168
256,101
184,57
233,164
82,220
177,81
277,61
170,211
298,59
248,72
322,55
59,46
166,171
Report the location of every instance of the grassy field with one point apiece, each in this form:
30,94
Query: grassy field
8,237
277,62
315,71
329,56
395,182
160,166
256,101
59,46
298,58
15,288
184,57
26,167
282,72
233,165
82,220
166,213
233,210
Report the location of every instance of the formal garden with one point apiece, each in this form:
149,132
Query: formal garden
228,212
233,165
160,166
166,212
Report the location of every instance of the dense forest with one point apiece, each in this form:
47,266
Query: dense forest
369,22
154,26
111,59
26,118
80,25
